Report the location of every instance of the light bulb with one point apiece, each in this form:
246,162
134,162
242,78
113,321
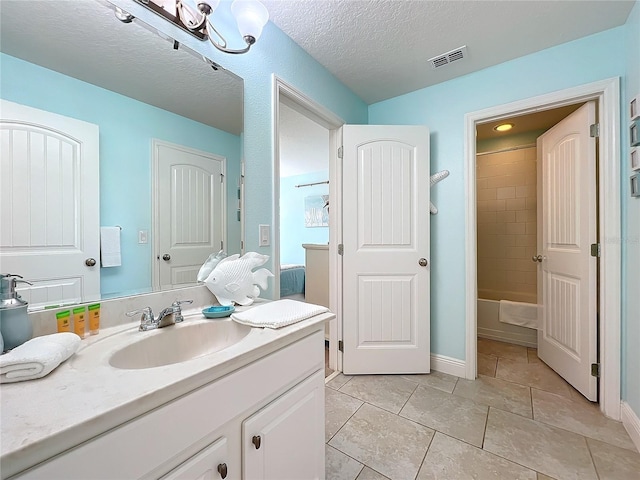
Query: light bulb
251,16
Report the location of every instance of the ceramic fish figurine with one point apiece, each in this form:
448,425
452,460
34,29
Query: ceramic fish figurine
232,280
208,266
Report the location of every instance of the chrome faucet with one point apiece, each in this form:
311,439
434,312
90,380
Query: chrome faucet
169,316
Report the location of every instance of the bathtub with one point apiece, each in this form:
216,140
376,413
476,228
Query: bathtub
489,326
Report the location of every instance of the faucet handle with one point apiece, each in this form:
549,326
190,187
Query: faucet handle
147,321
177,310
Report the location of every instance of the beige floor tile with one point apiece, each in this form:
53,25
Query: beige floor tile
517,353
438,380
369,474
532,355
487,365
546,449
339,408
339,466
494,392
614,463
449,458
385,391
579,416
536,375
542,476
387,443
456,416
338,381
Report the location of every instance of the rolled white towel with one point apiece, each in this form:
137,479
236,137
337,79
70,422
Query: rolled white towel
37,357
278,314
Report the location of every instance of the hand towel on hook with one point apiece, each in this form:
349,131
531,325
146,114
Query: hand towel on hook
110,247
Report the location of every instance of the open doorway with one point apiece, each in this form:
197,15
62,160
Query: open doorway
507,266
606,96
307,182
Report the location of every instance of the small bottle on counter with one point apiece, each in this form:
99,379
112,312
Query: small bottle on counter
64,321
94,319
78,321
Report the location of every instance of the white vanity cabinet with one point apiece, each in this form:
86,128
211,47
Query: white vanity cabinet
263,420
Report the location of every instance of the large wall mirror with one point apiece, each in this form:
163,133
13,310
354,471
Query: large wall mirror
148,95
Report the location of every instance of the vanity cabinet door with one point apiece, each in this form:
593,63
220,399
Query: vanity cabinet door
208,464
285,439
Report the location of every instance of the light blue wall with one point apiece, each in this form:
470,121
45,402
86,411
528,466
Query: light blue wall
126,129
631,232
273,54
293,232
442,107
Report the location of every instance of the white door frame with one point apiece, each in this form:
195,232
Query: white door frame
284,92
607,94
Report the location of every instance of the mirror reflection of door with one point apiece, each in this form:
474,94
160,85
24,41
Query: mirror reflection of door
189,221
49,179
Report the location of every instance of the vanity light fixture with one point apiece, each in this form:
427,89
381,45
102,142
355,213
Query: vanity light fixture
503,127
193,16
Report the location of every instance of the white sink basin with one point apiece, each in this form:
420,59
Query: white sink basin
178,343
127,348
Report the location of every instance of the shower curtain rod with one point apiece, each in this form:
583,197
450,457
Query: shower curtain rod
311,184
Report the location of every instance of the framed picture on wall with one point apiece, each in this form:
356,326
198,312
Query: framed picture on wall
634,157
634,133
634,108
635,185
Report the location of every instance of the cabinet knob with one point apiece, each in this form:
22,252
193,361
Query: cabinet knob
222,470
257,441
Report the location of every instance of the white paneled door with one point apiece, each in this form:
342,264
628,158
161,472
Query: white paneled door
567,337
49,202
190,218
386,263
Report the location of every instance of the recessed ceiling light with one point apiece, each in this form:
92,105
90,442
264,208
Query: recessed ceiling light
503,127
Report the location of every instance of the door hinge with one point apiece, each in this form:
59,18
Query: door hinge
594,130
340,345
221,244
595,370
340,152
595,249
222,178
340,249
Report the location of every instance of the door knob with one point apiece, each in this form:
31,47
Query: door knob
166,257
257,441
536,258
423,262
222,470
90,262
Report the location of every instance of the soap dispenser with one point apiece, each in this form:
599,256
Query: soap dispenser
15,325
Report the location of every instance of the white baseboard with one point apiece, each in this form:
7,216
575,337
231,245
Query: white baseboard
451,366
530,340
631,423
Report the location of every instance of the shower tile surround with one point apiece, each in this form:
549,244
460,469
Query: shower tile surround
498,426
506,205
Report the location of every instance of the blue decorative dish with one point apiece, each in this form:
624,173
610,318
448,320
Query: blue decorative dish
218,311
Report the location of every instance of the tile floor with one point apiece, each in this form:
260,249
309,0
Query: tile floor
518,420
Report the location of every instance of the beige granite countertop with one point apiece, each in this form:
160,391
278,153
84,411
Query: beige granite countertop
85,397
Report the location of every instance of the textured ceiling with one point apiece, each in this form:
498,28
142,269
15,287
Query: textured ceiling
380,48
95,47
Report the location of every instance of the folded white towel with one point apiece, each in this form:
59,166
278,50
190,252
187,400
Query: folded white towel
110,247
519,313
278,314
37,357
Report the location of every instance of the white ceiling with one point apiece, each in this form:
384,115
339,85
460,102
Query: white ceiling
380,48
93,46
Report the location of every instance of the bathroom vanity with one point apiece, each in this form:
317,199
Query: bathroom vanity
254,409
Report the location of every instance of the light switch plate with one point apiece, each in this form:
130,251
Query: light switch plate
142,236
264,235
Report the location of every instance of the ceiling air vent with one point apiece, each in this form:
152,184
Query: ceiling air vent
449,57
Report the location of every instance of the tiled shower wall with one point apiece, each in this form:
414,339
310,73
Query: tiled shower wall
506,190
